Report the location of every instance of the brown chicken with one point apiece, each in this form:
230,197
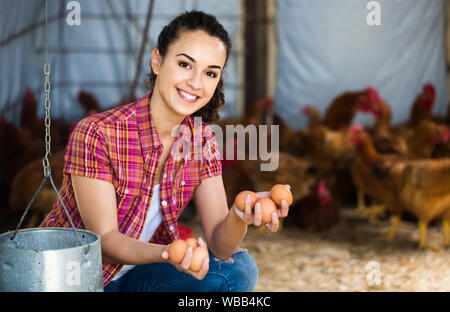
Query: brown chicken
316,212
331,152
420,187
364,177
296,172
27,181
418,142
34,128
89,103
420,110
342,110
16,149
384,140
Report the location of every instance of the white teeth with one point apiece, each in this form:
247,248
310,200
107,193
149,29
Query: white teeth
188,96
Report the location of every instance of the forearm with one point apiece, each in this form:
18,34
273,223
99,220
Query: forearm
119,248
227,235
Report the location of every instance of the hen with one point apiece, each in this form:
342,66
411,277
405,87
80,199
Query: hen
316,212
342,110
420,187
331,152
418,142
27,181
420,110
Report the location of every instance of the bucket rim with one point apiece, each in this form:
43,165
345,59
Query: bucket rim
44,229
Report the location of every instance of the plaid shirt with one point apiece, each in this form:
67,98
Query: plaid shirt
122,146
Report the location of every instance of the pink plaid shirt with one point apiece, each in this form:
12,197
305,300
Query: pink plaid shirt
122,146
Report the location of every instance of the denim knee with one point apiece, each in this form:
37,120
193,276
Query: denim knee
244,273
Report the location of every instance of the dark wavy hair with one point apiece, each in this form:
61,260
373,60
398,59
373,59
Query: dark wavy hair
192,21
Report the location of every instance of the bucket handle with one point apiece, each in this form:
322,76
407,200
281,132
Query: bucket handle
62,203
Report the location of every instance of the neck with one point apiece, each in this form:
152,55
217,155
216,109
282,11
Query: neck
164,117
366,150
383,121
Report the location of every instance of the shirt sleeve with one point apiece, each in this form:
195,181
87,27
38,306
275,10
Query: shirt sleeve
86,153
211,161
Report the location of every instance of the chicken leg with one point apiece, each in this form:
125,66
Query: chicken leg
423,237
391,234
371,211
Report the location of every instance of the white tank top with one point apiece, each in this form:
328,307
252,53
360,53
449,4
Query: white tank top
152,221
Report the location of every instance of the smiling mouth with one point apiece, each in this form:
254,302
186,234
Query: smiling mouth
187,96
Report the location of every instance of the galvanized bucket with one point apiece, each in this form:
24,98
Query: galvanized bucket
50,259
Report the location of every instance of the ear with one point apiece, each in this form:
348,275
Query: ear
155,62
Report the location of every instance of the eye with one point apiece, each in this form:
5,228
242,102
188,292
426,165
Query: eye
183,64
212,74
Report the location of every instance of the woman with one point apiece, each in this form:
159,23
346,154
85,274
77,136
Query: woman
125,181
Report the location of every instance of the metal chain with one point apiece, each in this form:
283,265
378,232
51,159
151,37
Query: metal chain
48,138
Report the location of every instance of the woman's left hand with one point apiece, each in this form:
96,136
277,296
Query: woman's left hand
254,217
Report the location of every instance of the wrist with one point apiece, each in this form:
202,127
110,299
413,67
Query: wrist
235,217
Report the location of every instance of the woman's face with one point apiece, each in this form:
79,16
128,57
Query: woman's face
189,73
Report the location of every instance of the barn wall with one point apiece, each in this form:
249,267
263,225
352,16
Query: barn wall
448,48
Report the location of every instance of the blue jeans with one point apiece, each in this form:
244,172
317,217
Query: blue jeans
239,275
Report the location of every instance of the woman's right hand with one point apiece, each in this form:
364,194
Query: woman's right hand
186,262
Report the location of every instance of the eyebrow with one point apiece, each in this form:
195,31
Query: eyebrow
193,60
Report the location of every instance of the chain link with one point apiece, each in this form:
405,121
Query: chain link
48,139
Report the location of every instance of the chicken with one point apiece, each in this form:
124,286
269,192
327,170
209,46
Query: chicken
420,110
418,142
34,128
234,176
16,149
384,140
331,152
367,181
425,138
420,187
342,110
289,138
316,212
296,172
89,103
27,181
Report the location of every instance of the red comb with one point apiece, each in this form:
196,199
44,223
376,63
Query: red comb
306,110
429,88
373,94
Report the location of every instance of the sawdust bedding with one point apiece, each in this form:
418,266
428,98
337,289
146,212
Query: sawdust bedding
348,257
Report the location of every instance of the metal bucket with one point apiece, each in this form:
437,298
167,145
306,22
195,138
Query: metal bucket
50,259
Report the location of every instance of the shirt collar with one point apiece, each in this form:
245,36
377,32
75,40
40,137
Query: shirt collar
147,130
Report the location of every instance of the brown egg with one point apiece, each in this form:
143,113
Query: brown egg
240,199
279,192
198,255
177,250
191,242
267,208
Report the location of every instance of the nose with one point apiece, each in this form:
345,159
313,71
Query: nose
194,80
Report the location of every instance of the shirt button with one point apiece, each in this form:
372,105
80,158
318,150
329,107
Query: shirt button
171,228
165,175
126,191
182,182
164,203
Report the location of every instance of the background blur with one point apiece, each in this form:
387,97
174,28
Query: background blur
292,60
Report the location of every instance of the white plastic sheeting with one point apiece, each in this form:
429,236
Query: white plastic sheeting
327,47
99,55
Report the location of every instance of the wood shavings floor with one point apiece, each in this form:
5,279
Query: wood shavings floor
347,258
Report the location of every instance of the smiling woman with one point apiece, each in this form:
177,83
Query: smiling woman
122,181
